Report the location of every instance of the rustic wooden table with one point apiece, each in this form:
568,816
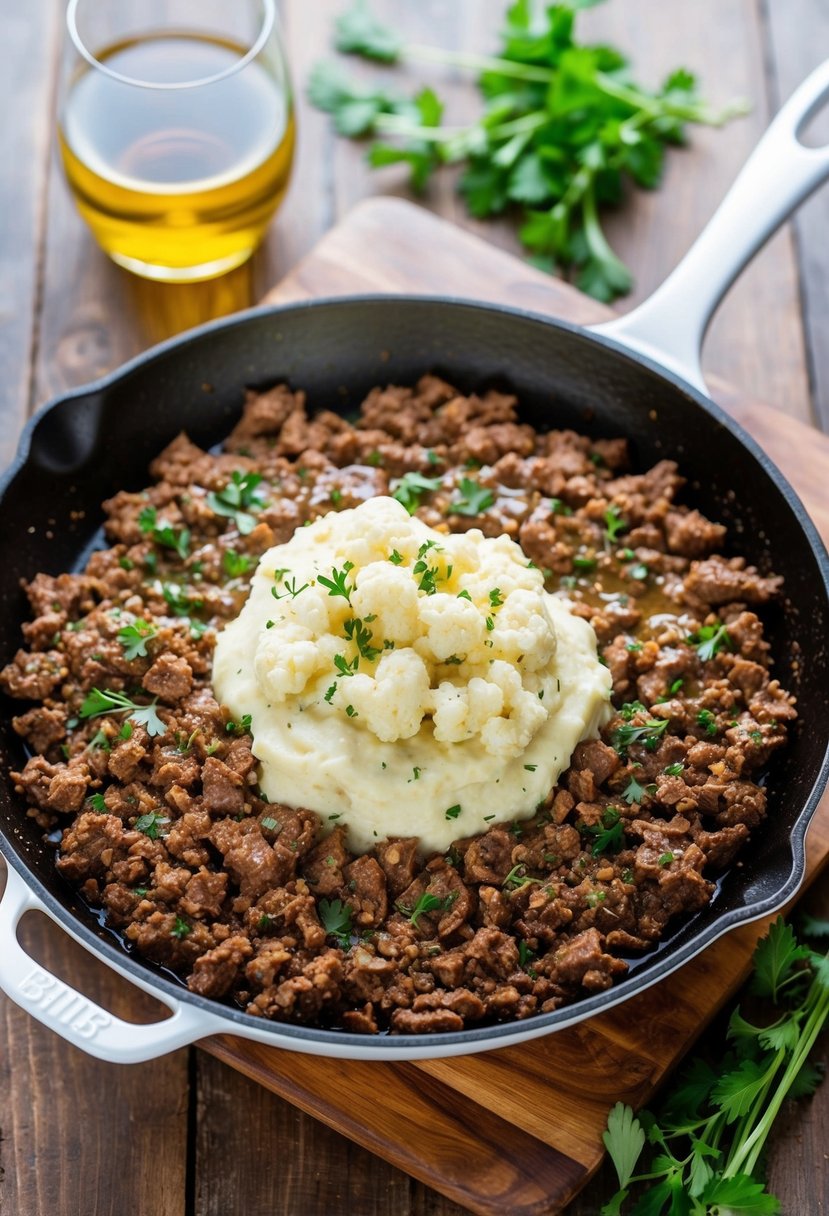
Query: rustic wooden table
186,1135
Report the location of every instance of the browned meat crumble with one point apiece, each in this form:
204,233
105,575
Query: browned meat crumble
262,905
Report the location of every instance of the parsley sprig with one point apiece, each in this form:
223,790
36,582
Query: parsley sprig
239,498
563,129
164,533
106,701
709,1135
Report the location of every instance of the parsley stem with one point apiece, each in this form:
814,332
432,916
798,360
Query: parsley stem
746,1159
480,63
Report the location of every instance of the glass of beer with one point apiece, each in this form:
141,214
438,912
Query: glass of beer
176,130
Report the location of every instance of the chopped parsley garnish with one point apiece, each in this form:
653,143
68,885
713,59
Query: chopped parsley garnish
238,728
517,878
181,928
105,701
672,691
675,770
464,595
453,812
525,954
665,859
351,711
560,508
356,632
416,773
164,533
472,500
584,563
609,837
530,767
239,497
336,584
336,920
134,638
183,605
633,647
710,640
344,667
270,825
756,736
614,522
428,903
291,589
648,733
429,576
412,486
594,898
236,565
495,598
633,791
396,558
96,801
150,824
707,721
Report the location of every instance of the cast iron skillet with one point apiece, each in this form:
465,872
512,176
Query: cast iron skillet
638,378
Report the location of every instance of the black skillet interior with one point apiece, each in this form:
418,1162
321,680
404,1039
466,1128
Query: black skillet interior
95,441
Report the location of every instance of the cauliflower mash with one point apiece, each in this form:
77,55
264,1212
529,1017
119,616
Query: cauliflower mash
405,682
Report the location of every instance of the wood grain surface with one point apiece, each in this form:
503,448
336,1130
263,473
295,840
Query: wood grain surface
188,1134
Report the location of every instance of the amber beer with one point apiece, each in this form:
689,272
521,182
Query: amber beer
177,182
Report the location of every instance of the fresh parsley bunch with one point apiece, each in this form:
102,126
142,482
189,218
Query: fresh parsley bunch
708,1138
563,129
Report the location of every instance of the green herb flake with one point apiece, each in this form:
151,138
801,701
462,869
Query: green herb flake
452,812
134,638
150,824
472,499
336,920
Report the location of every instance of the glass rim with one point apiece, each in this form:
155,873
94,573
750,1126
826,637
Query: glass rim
268,22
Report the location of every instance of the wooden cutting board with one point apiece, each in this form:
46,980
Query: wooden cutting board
517,1131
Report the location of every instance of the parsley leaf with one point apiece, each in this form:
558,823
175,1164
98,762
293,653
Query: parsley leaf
336,920
236,565
134,638
472,499
359,32
624,1141
411,487
164,533
238,499
336,584
150,824
106,701
710,640
614,523
428,903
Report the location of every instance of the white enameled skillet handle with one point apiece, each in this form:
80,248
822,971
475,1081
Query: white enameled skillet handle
74,1016
780,173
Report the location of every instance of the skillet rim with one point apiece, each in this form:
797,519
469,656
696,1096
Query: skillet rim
476,1039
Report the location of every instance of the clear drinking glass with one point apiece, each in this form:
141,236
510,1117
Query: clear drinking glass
176,130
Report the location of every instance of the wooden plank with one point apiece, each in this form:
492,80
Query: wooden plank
279,1159
31,35
77,1135
798,40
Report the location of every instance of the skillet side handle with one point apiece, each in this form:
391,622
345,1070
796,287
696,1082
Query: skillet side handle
71,1014
780,173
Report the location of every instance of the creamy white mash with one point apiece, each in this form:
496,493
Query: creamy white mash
405,682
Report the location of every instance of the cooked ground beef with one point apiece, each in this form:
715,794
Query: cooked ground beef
162,821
